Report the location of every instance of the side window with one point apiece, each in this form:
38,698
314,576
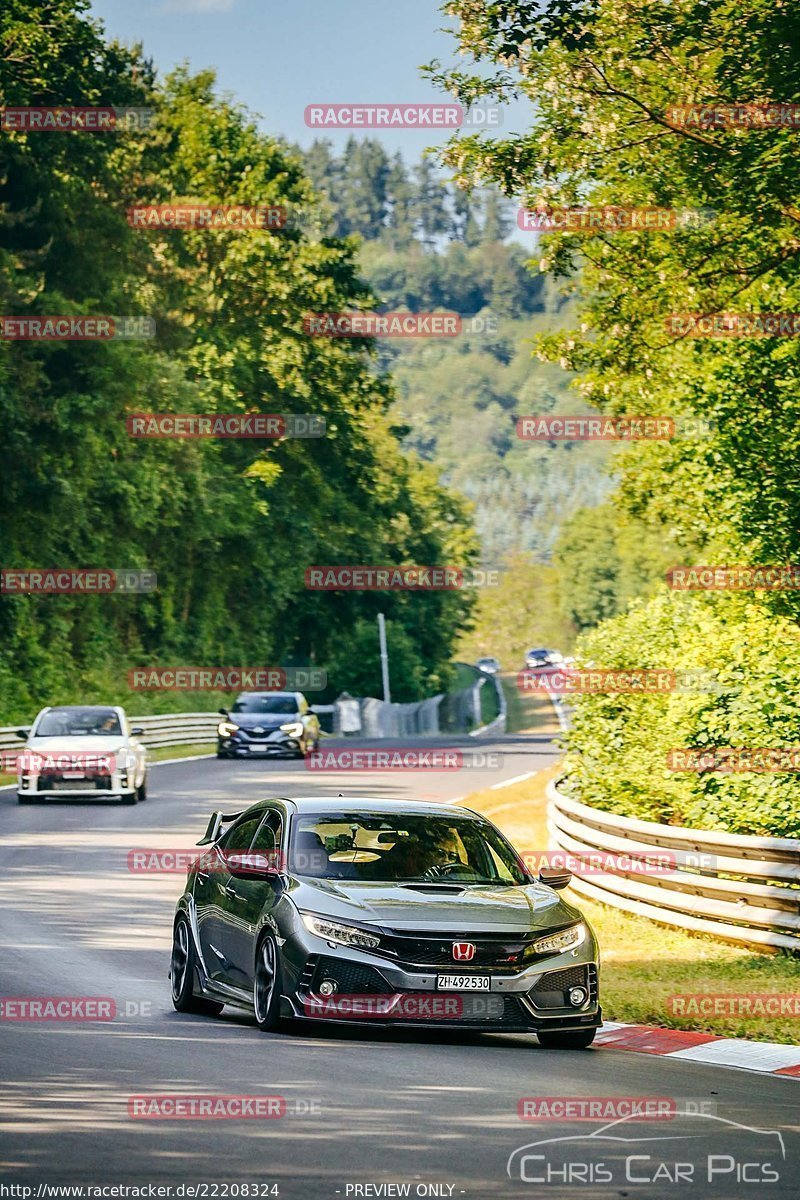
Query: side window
269,835
240,835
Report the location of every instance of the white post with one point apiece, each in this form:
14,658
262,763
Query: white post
387,696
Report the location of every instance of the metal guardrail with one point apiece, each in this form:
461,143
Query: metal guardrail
739,888
166,729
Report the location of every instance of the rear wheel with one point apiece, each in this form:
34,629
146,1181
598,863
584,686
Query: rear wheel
566,1039
267,986
182,970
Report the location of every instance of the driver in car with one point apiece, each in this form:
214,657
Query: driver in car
422,853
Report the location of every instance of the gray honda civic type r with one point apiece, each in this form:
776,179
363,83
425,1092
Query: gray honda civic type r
382,912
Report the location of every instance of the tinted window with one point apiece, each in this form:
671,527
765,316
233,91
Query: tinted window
240,835
265,704
269,835
401,849
79,722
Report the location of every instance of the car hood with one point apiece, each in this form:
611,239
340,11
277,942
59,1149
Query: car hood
472,909
248,721
93,745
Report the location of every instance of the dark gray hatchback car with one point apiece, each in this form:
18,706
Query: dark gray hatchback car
383,912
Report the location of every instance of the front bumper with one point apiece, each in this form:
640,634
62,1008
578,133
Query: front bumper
375,991
268,744
55,786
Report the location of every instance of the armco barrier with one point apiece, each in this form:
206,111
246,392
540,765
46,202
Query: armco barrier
739,888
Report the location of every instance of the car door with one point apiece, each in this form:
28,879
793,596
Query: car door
250,895
212,894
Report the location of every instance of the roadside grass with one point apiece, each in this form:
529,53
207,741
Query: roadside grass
527,712
643,963
157,755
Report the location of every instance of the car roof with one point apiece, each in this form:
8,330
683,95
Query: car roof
358,804
284,695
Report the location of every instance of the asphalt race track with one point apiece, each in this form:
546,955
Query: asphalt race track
429,1114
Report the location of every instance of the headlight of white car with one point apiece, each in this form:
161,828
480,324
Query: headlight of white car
567,939
345,935
226,728
294,729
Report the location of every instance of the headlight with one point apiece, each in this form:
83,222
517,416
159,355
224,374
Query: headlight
567,939
294,729
226,728
345,935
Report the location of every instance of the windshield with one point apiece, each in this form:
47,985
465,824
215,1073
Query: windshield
265,704
79,722
382,848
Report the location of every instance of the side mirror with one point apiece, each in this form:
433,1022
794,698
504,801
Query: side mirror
552,877
256,864
22,733
137,732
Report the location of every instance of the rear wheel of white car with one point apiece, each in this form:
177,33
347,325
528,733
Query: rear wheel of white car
182,971
267,986
566,1039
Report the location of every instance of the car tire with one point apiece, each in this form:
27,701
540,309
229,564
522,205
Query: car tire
24,799
222,754
141,791
129,798
267,985
182,971
566,1039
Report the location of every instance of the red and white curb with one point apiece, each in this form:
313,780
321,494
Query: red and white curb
772,1058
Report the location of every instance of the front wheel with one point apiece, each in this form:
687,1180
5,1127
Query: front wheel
566,1039
267,986
181,972
141,791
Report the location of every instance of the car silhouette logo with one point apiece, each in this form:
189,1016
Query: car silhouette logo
463,951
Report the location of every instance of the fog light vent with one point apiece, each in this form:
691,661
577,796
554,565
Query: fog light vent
578,997
328,987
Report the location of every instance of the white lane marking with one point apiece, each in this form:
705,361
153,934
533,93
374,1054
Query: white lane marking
517,779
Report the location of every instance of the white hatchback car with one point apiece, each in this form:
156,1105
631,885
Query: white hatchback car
86,752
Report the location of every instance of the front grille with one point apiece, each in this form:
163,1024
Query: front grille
416,949
551,990
56,783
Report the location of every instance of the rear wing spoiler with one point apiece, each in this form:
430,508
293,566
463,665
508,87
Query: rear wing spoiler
214,827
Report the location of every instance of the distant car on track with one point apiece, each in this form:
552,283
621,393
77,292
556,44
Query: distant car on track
269,723
489,666
541,659
84,752
382,911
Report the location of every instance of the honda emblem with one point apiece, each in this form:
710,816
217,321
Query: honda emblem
463,951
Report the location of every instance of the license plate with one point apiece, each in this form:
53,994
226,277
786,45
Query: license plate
258,745
462,983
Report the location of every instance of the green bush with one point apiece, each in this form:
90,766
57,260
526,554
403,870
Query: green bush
618,744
